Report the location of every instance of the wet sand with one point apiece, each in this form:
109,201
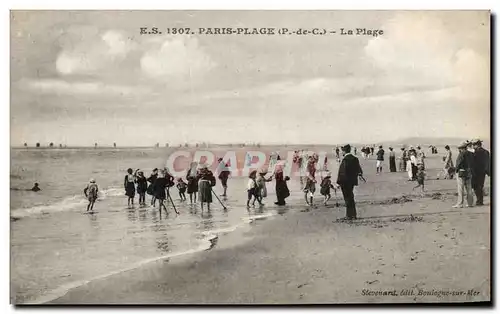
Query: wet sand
400,246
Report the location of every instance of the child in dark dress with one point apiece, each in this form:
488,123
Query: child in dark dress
182,186
129,185
142,187
420,177
152,178
192,182
326,185
159,188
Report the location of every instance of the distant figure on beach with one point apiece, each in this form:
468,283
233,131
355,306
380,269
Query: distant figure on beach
206,181
282,191
464,167
192,182
223,175
114,145
355,151
372,150
380,159
25,144
337,153
481,168
142,187
392,160
402,159
35,188
420,156
182,186
152,178
129,185
420,178
252,189
91,193
37,145
347,179
411,165
326,186
310,187
95,145
448,168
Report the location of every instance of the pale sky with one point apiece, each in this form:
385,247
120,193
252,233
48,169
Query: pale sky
89,76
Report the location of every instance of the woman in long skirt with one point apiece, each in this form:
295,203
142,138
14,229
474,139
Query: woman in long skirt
129,185
402,160
282,191
159,188
206,182
192,182
392,160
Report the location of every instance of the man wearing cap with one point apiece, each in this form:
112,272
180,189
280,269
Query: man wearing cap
347,179
464,166
481,168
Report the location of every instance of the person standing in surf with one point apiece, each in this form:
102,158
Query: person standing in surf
91,193
252,189
182,186
192,182
282,191
261,185
142,187
152,179
129,185
159,190
206,182
310,188
223,174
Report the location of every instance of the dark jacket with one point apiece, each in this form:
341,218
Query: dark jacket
481,164
465,161
349,171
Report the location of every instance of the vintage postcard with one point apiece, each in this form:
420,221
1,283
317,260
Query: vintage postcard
250,157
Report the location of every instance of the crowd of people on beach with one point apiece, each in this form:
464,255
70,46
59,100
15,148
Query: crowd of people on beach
470,168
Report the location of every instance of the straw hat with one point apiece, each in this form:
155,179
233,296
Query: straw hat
463,144
476,141
263,171
92,181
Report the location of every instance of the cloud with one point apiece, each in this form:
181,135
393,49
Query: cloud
175,57
94,52
418,47
56,86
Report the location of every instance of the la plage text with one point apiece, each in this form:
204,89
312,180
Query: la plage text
259,31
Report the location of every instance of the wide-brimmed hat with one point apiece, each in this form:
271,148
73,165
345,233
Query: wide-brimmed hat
346,147
476,141
263,171
463,144
328,174
92,180
155,169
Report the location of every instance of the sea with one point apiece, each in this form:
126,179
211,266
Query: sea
57,246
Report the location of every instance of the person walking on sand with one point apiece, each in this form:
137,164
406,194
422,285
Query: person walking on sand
420,156
192,182
411,164
392,160
91,193
481,168
129,185
420,178
402,160
282,191
326,186
347,179
380,159
464,166
142,187
206,181
152,178
448,168
337,153
223,172
252,189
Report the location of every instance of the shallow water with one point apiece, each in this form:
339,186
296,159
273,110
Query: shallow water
55,246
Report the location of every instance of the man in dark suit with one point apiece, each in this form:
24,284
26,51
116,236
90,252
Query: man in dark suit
480,168
347,178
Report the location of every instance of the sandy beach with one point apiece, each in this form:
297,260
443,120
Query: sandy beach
403,249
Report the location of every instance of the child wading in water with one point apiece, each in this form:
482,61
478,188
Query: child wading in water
420,177
129,185
252,189
142,187
310,181
261,185
192,182
91,194
182,186
326,185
